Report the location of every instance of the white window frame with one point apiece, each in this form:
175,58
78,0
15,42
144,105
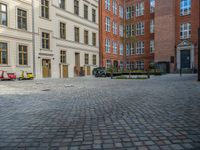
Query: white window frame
140,28
139,9
185,7
108,24
152,46
107,46
185,30
140,47
107,5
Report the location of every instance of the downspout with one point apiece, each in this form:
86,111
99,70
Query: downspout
33,37
100,34
124,38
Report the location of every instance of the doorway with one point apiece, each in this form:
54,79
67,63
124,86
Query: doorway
65,71
185,59
46,68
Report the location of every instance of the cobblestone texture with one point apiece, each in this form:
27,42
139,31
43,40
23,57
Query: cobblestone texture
162,113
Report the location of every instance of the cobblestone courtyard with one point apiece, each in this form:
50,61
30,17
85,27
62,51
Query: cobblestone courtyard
162,113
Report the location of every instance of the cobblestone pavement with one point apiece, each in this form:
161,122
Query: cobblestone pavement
162,113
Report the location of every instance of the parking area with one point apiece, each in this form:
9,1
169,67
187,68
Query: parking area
161,113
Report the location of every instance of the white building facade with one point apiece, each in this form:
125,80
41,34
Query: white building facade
16,36
61,36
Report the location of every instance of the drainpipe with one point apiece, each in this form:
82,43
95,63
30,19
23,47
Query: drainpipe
100,35
33,37
199,55
124,30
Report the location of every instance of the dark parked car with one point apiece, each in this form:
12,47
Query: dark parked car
96,69
101,73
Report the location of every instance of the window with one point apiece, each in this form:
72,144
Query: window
121,65
86,59
114,27
85,11
152,26
140,65
22,19
114,7
127,64
185,7
140,47
108,24
121,49
94,60
76,34
132,30
63,57
185,31
107,45
152,6
62,30
3,14
115,47
132,48
3,53
128,30
128,13
108,63
62,4
76,7
86,37
45,40
94,39
23,55
107,4
121,30
121,12
93,15
140,9
132,65
45,8
128,49
152,46
140,28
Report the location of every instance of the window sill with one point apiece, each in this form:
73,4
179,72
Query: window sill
23,66
48,50
4,65
45,18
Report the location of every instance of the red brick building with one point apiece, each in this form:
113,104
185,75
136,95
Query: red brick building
136,33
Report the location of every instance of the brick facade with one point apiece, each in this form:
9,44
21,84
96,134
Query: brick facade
168,44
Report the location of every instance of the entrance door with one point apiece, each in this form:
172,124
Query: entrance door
65,71
88,70
46,68
185,59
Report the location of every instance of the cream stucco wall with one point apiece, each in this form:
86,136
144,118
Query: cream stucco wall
13,36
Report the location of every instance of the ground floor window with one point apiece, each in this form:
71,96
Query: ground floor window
140,65
121,65
108,63
3,53
23,55
86,59
94,59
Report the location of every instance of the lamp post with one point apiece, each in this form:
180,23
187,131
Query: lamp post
199,55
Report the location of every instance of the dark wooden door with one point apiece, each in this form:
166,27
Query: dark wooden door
185,59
